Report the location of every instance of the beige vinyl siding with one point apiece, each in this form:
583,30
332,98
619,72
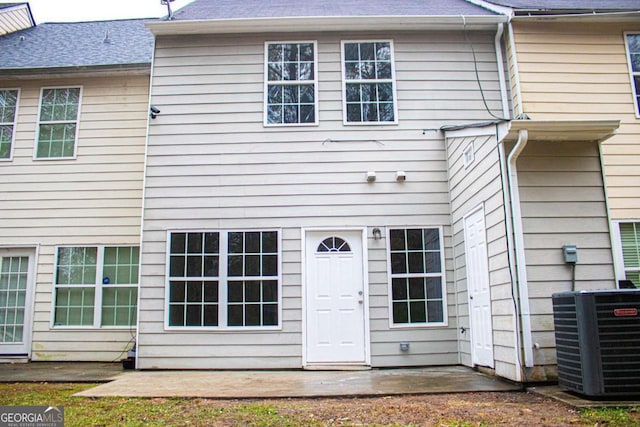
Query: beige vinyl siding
14,19
94,199
480,184
579,71
213,165
563,202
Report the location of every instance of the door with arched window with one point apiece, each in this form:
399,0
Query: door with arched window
335,298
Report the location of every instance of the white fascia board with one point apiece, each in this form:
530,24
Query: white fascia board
564,130
325,23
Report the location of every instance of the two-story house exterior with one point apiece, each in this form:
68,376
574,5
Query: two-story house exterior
73,117
341,185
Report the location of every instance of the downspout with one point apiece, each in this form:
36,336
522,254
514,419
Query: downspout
521,265
515,75
501,75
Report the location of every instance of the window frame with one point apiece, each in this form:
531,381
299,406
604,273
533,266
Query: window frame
618,256
392,80
442,275
313,82
98,287
14,124
39,123
635,91
223,281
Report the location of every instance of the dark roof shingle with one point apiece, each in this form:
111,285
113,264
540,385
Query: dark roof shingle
570,5
77,44
247,9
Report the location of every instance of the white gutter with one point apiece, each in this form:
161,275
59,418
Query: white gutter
521,264
501,78
323,23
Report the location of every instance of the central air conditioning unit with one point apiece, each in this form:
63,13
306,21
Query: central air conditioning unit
598,341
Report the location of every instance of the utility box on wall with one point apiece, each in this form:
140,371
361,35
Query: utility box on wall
598,341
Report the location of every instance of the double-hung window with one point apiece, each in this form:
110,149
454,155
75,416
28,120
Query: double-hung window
8,114
630,245
633,54
368,77
96,286
291,83
417,291
58,123
223,279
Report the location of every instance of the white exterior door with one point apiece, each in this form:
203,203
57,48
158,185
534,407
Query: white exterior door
16,290
478,289
335,306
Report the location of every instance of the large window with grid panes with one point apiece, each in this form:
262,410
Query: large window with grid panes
417,295
369,82
96,286
58,123
633,56
291,84
8,115
223,279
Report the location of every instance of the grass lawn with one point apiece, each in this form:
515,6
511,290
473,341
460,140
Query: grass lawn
459,410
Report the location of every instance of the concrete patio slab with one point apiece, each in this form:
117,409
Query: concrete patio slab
60,372
577,401
283,384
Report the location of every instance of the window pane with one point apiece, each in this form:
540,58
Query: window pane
270,291
178,243
234,314
435,310
398,263
176,315
399,289
252,291
119,306
418,312
177,266
252,316
236,292
194,291
177,292
270,315
416,262
74,306
400,312
434,288
193,315
416,288
194,243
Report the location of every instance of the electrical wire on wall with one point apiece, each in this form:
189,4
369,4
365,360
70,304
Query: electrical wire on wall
477,72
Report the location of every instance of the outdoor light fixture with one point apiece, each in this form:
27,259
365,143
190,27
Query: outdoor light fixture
377,234
154,112
371,176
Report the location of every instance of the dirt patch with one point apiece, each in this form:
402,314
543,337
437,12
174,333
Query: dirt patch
467,409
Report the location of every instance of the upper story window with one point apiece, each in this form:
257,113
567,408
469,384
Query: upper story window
58,123
633,52
291,84
8,110
369,89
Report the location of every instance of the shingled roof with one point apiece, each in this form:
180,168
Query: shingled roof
554,6
77,44
246,9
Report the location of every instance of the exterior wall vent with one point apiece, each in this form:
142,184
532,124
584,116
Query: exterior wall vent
598,341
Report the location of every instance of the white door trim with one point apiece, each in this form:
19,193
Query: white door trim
365,278
32,253
476,359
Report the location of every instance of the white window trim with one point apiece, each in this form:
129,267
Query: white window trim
618,257
98,286
445,315
632,74
291,82
222,277
468,154
14,124
77,122
393,83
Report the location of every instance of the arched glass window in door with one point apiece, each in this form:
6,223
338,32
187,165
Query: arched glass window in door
333,244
